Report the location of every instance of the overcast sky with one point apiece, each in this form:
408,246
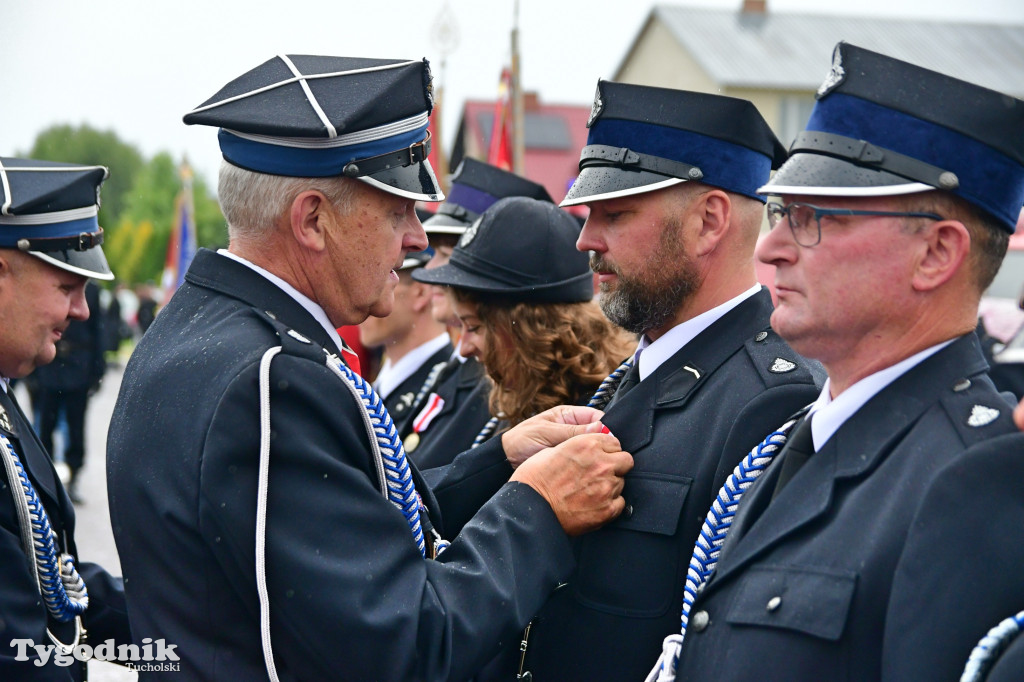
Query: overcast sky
138,66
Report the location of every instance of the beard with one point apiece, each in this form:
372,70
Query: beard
650,298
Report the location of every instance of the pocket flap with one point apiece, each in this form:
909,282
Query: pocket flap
809,600
654,501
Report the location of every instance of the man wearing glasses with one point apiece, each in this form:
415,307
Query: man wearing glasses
875,546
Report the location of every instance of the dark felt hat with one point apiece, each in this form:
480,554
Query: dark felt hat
49,210
520,248
317,116
644,138
474,188
884,127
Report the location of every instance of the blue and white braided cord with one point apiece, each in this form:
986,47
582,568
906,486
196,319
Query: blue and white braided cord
401,490
62,589
991,645
485,432
606,390
712,538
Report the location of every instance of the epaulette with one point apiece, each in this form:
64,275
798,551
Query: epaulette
778,364
292,342
976,411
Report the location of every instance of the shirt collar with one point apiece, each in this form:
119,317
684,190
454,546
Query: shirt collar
830,414
391,375
652,354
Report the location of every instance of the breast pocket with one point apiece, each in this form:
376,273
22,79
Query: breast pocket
631,567
813,601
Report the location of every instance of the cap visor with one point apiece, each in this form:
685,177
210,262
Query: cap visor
440,223
597,183
412,182
89,263
816,174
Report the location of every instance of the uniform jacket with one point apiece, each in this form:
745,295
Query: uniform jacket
400,401
886,556
22,613
465,391
686,434
351,597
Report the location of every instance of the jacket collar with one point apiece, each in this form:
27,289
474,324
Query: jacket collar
211,270
631,418
859,446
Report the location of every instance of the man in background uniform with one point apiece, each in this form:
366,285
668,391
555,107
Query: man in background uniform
65,385
49,248
868,549
414,344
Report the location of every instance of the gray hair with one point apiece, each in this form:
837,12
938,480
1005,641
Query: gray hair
253,202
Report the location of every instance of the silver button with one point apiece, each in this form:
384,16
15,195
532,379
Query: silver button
761,336
628,511
699,621
962,385
774,603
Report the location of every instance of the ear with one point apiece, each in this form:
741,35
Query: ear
943,252
714,209
310,215
421,295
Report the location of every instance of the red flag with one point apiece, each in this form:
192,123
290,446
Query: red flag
500,152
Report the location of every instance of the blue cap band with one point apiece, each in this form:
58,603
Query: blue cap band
729,166
307,162
988,179
71,228
470,198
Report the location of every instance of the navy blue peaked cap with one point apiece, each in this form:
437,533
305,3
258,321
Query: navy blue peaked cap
49,210
644,138
315,116
522,249
474,188
884,127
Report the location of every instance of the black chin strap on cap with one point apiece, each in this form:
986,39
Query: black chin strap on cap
80,242
414,153
863,153
622,157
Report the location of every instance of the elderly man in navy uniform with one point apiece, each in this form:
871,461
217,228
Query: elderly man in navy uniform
451,407
49,248
267,519
852,557
670,178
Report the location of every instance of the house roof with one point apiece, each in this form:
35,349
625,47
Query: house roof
779,51
555,134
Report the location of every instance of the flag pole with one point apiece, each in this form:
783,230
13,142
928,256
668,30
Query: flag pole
518,128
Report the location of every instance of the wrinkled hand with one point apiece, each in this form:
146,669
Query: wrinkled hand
581,479
548,429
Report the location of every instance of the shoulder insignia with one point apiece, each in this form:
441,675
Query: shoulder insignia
781,366
5,420
297,336
982,416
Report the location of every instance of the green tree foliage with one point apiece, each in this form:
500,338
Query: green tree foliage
139,199
86,145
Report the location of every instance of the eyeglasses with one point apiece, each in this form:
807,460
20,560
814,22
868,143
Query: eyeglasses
805,219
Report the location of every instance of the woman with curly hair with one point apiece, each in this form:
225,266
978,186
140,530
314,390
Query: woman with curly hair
524,295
